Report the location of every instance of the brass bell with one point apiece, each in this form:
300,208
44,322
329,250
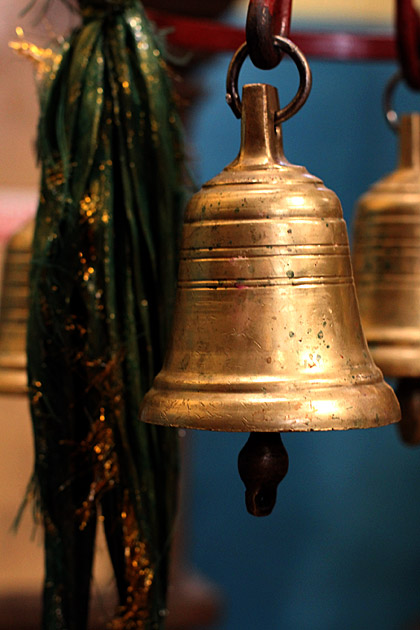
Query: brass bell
267,333
386,265
14,311
387,260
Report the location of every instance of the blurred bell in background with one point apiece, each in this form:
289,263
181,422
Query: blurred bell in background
386,264
342,547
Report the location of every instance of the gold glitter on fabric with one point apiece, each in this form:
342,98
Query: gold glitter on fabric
103,279
134,614
100,447
45,60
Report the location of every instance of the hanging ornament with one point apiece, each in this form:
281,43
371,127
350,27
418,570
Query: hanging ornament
102,288
267,335
387,264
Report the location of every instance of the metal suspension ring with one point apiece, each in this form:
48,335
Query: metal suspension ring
305,76
389,111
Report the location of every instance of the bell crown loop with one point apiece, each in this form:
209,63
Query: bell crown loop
261,158
261,140
305,76
404,179
410,141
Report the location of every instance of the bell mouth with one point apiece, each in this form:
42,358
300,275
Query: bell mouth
339,407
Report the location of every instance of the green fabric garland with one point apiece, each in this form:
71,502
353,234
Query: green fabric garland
102,289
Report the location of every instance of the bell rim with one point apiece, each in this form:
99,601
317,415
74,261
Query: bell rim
259,412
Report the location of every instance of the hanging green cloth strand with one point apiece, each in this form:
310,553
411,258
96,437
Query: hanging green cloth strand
102,290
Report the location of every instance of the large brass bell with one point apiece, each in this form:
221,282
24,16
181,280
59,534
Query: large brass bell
14,311
387,260
267,334
387,266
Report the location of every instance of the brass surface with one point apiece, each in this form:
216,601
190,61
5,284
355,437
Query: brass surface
267,334
387,260
14,311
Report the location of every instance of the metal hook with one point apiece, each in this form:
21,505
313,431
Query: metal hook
408,41
266,19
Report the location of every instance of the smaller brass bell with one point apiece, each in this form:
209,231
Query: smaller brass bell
387,260
267,334
14,311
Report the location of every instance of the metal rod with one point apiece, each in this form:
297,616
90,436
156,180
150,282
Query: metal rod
209,36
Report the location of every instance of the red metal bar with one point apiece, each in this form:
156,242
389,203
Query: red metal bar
265,19
341,46
208,36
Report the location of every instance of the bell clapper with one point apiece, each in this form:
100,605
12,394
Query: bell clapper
262,463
